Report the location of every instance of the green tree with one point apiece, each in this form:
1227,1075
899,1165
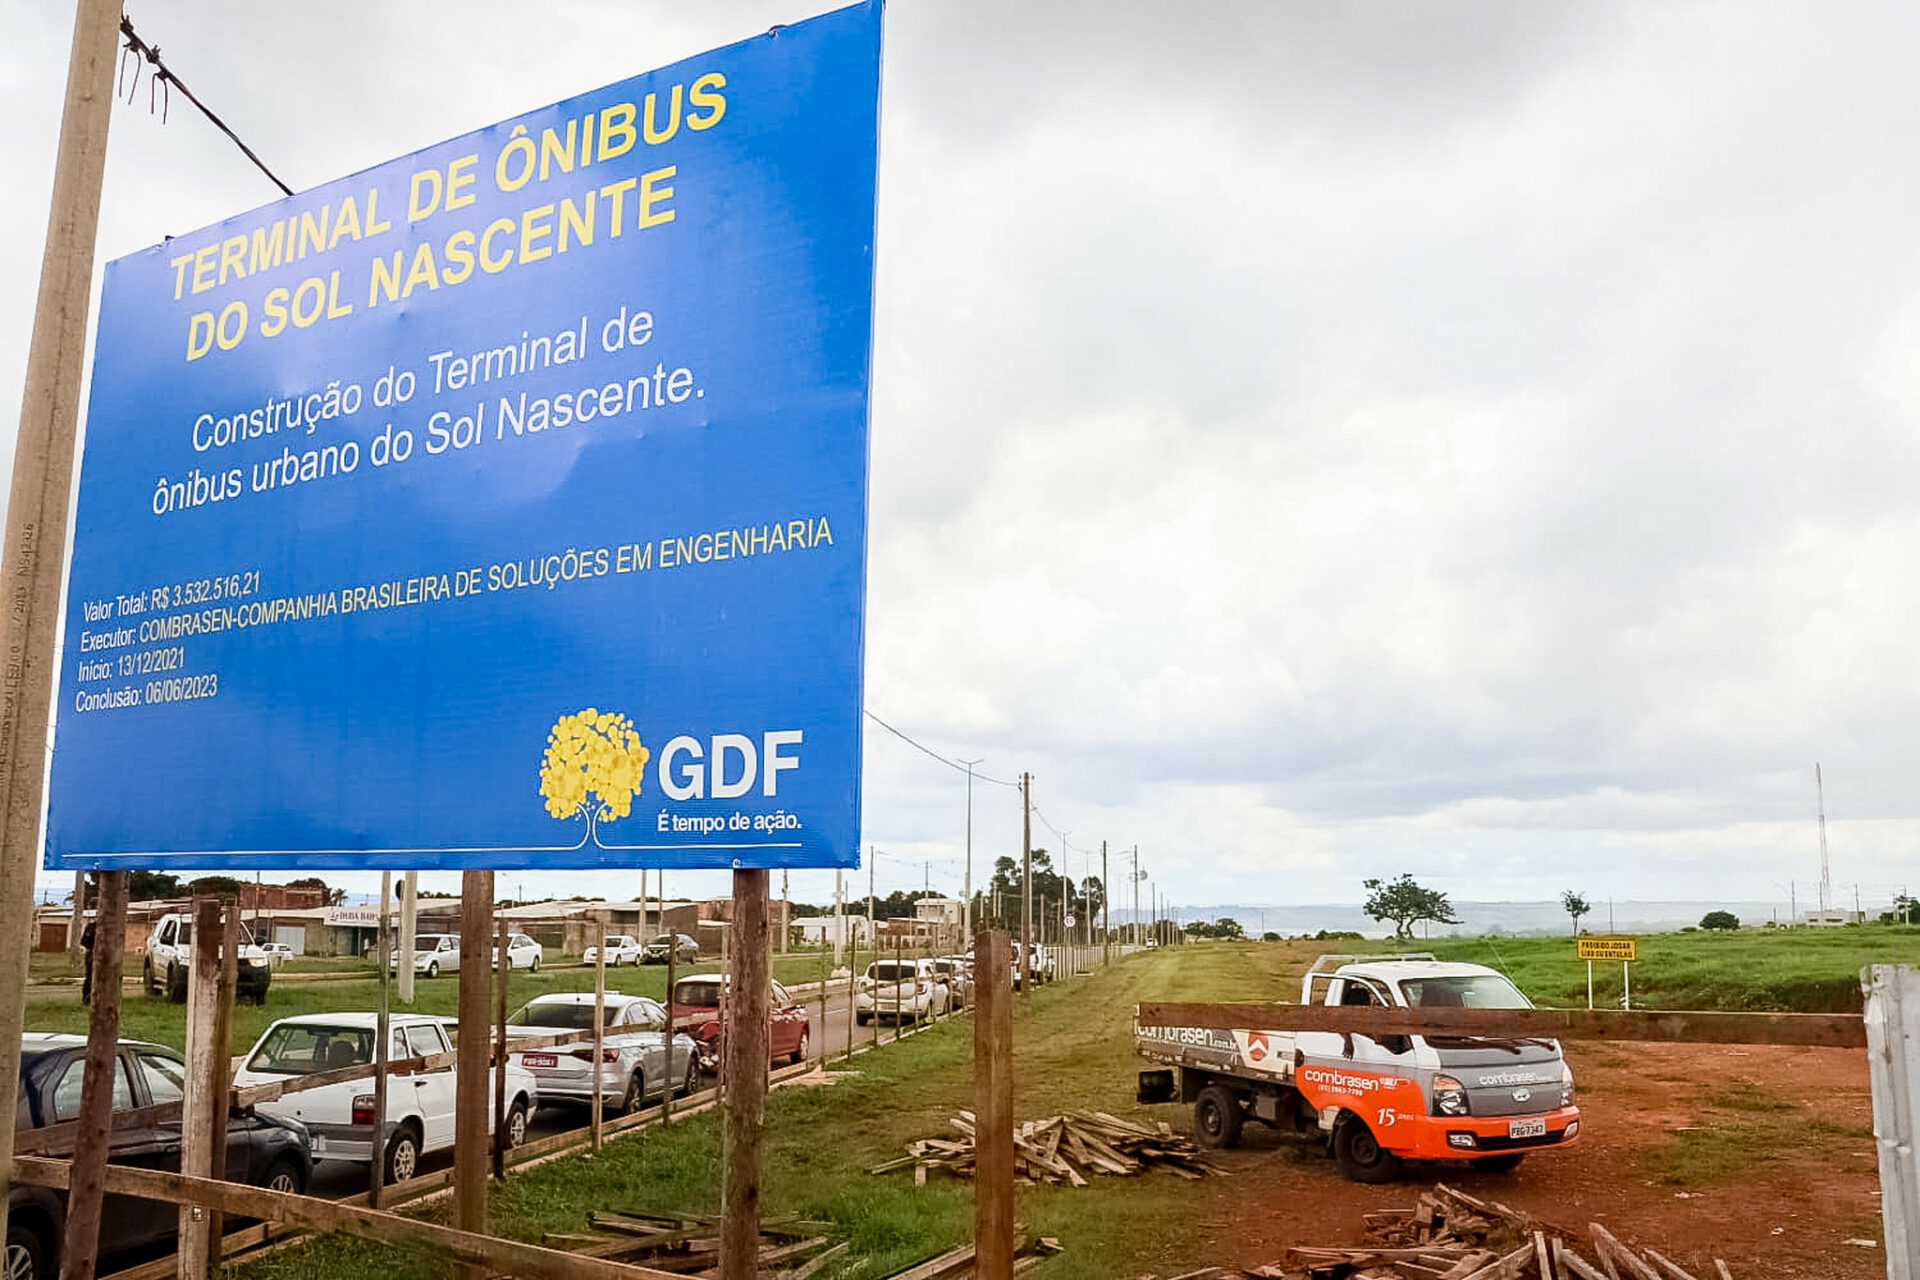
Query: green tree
1719,920
1406,903
1576,906
1906,910
221,886
145,886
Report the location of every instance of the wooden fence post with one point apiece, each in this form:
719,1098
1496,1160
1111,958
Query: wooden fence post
82,1245
673,1028
993,1106
223,1068
382,1051
596,1107
502,978
203,1075
470,1166
745,1072
1892,1019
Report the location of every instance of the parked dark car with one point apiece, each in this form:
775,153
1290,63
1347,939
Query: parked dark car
686,948
264,1152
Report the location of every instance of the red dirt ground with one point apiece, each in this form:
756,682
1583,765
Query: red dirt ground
1786,1196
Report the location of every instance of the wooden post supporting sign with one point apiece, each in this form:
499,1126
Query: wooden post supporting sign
86,1192
993,1106
472,1054
203,1100
597,1108
222,1068
37,510
745,1072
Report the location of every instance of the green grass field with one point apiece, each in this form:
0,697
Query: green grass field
1800,970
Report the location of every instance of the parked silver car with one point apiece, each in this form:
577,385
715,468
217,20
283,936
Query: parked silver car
686,950
634,1066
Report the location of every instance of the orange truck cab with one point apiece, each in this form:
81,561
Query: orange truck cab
1377,1100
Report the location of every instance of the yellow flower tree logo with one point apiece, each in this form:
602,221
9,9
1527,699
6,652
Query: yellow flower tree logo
593,767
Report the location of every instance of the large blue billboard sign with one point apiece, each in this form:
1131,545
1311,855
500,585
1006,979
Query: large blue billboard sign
500,506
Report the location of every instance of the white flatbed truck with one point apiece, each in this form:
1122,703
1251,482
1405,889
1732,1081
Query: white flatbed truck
1379,1100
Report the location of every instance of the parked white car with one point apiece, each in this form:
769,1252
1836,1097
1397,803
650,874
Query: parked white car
433,954
633,1044
340,1116
522,953
277,953
621,949
900,989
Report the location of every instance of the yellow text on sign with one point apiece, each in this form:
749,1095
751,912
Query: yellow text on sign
1606,948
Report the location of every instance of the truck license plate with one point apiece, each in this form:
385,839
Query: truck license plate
1527,1129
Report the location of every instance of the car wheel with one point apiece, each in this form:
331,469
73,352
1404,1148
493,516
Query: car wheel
692,1083
1359,1154
1217,1118
862,1018
285,1175
433,968
1498,1164
403,1154
800,1050
636,1095
533,966
27,1253
516,1124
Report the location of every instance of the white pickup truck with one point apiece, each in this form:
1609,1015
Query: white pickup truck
169,960
1378,1099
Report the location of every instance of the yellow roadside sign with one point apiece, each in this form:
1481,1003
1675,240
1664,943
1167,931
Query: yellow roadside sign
1606,948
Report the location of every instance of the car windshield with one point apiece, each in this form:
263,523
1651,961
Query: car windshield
697,995
890,972
298,1049
435,942
1472,991
563,1017
615,942
664,940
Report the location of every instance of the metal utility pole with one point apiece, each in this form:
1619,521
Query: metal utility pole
839,922
1135,918
409,918
967,910
786,911
1826,884
1026,884
79,923
37,509
873,926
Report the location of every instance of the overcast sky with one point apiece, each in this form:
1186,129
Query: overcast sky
1318,441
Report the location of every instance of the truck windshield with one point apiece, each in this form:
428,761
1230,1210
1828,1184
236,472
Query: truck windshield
1472,991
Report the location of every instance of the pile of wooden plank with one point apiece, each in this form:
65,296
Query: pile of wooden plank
689,1243
957,1264
1450,1235
1063,1148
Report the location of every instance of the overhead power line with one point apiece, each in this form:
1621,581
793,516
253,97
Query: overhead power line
929,751
163,80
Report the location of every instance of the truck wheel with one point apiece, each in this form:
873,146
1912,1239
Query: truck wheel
1217,1118
176,984
1498,1164
147,980
1360,1156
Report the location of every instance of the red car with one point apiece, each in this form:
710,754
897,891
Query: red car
696,1011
